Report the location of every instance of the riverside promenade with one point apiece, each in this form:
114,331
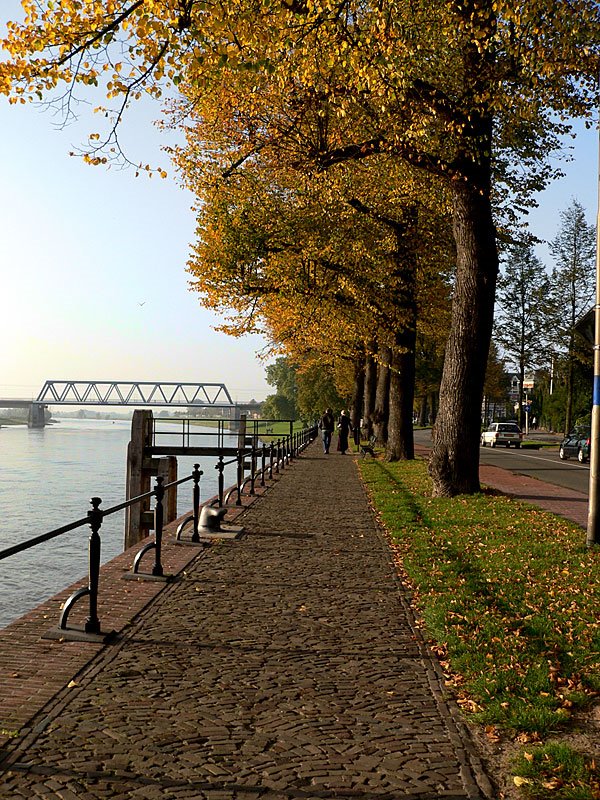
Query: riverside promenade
282,665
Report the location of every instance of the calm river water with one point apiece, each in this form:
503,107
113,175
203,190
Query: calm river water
47,477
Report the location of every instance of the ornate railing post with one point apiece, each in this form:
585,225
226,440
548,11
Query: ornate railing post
92,623
278,455
220,466
271,448
240,476
159,514
263,464
253,462
196,473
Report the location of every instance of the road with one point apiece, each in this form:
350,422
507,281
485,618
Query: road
543,464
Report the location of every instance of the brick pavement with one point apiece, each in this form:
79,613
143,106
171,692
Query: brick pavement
283,665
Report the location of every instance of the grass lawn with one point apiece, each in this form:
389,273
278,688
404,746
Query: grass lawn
510,598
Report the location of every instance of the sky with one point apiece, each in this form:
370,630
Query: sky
92,260
82,248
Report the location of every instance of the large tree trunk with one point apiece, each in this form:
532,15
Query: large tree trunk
454,463
369,395
382,396
400,443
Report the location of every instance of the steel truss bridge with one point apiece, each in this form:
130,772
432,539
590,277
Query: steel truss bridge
135,393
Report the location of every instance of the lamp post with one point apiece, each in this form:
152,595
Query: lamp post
593,526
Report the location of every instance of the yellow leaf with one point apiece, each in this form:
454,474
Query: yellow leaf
518,781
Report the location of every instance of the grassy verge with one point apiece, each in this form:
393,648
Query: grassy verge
510,596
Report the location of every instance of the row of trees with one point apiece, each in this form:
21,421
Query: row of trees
353,163
538,316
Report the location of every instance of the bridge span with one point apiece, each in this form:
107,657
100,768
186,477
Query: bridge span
136,394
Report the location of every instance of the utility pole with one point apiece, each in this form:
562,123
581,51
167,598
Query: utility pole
593,526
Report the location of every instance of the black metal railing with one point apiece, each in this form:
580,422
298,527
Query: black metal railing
94,519
187,433
272,458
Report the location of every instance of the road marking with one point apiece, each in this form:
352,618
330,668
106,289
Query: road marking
559,462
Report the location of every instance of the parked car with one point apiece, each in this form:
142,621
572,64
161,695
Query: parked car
576,444
505,433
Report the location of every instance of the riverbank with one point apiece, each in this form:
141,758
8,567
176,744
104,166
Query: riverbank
219,688
284,664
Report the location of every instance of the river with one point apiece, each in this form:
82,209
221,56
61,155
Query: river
47,477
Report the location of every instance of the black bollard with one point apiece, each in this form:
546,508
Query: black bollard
196,473
92,624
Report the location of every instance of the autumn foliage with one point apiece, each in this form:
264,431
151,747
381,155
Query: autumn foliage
429,119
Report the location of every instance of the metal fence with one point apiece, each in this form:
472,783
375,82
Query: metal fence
263,462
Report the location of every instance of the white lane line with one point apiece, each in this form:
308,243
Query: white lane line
559,463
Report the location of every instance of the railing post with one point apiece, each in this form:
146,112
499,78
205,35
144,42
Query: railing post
253,462
92,624
278,458
263,464
271,461
196,473
253,468
240,476
220,466
159,491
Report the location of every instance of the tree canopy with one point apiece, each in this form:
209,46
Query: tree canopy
474,95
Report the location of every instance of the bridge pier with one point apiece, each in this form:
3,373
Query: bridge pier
37,415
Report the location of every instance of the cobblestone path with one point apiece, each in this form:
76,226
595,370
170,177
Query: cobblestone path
283,665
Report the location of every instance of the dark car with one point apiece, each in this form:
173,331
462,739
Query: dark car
576,444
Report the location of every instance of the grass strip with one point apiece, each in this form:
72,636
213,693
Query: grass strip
508,593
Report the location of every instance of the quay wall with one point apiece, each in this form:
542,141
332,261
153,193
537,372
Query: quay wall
33,670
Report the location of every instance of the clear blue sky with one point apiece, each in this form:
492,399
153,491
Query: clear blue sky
81,248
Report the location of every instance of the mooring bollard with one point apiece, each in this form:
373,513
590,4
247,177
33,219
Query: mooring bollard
196,473
92,624
159,516
220,466
240,477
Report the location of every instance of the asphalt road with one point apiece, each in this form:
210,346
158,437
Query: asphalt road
543,464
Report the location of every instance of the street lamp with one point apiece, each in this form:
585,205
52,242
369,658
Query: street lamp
593,526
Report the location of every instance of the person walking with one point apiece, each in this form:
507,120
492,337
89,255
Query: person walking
344,428
327,424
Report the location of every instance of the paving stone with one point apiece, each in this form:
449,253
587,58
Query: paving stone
286,660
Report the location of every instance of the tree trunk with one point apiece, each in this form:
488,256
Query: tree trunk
454,463
400,443
423,411
370,390
433,403
569,403
359,389
382,396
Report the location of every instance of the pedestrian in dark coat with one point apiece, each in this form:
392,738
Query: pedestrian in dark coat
344,428
327,424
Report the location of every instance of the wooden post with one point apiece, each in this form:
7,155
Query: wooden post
167,469
138,478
